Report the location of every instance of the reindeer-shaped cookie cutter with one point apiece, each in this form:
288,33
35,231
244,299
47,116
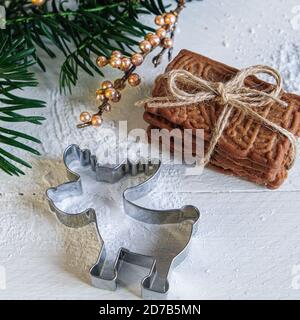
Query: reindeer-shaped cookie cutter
156,284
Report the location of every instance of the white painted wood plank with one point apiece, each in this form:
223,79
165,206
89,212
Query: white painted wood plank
248,240
244,253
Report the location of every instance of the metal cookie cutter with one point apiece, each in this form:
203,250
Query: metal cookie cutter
160,262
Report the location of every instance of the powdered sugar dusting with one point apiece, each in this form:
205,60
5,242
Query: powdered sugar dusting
287,61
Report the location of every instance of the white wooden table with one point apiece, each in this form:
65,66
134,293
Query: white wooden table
248,240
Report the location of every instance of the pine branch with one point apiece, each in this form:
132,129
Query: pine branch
95,27
14,74
116,33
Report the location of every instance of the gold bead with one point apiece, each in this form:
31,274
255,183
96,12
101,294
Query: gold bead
38,2
159,20
168,27
154,40
107,107
170,18
145,46
137,59
101,61
116,53
115,62
99,91
100,94
96,120
125,64
100,97
148,36
161,33
110,93
116,97
119,84
134,79
167,43
85,116
106,84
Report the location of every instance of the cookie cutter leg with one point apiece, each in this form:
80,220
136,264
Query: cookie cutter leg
156,284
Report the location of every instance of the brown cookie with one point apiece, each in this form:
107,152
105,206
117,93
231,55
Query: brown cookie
246,143
229,167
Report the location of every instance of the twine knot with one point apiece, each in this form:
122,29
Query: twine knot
187,89
221,91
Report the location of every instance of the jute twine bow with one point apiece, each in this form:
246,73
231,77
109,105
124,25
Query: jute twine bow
232,94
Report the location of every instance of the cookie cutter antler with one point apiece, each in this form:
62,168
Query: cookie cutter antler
156,284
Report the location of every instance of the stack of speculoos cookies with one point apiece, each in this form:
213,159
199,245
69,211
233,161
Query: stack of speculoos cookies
246,149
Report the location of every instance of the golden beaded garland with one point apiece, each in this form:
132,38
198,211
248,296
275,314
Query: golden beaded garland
110,91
